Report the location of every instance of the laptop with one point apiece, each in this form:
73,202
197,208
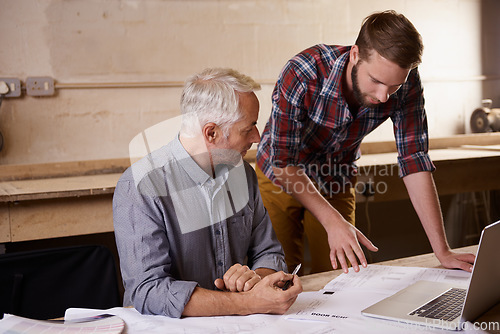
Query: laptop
425,303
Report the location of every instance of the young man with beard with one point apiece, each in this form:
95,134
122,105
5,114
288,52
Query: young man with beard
193,236
326,100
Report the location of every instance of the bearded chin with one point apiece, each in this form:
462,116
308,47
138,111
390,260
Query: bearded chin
226,156
358,95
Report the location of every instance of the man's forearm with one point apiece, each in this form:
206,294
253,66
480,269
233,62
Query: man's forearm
207,303
425,200
265,297
343,238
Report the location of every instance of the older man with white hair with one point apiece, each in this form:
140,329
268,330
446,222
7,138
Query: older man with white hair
193,235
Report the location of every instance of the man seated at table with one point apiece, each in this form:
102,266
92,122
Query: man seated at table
189,215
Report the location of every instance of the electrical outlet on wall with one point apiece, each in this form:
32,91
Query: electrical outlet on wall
13,85
40,86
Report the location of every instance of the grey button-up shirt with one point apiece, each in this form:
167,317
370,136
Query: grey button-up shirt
176,228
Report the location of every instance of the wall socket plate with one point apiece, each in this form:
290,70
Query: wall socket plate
40,86
14,87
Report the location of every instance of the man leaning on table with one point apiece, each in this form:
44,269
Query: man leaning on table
192,233
326,100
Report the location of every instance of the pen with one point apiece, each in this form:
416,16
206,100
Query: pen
289,282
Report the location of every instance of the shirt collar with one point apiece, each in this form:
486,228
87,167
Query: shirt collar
333,84
190,166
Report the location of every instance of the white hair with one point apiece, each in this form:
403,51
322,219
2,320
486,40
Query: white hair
212,96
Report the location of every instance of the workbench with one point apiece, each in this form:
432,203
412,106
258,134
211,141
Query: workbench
75,198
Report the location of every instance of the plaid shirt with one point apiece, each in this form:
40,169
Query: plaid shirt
311,125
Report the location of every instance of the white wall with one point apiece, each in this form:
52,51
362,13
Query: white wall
82,41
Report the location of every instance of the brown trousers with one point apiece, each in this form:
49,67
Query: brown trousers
291,221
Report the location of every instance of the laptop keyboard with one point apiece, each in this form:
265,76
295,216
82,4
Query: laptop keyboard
444,307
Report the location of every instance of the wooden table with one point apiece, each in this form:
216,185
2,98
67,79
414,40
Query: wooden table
57,200
56,207
316,282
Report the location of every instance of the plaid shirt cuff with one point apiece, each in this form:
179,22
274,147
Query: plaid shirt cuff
416,162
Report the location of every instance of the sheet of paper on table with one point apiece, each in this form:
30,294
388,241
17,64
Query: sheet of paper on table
98,323
336,308
137,323
390,279
340,302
